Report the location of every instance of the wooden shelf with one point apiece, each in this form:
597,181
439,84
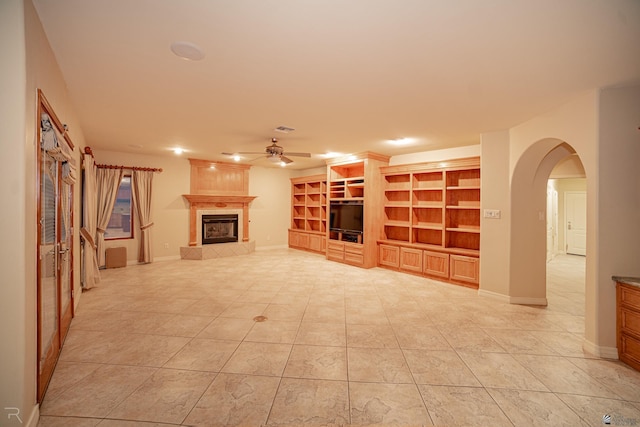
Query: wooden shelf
308,213
434,208
358,179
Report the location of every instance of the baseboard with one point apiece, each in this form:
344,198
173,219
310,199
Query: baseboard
528,301
158,259
600,351
33,419
269,248
512,300
493,295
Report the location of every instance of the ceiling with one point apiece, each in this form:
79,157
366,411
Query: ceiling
348,75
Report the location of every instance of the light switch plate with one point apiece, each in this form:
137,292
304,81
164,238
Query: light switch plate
492,213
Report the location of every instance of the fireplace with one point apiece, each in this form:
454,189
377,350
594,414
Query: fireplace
219,228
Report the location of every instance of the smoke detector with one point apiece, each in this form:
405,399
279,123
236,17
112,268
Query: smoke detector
186,50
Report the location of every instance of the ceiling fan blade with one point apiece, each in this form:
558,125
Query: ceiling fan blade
286,159
247,152
297,154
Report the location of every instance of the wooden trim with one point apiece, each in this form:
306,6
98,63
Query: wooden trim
204,201
217,200
358,157
466,162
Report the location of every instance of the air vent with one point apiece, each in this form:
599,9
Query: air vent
284,129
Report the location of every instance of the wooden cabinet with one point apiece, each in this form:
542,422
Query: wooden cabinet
389,256
433,209
628,320
355,182
464,269
308,213
411,259
436,264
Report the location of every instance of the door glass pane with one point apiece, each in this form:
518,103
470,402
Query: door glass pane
48,287
65,245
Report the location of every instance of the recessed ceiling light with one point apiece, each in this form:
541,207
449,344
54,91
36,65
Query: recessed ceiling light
187,50
401,141
178,151
331,155
237,158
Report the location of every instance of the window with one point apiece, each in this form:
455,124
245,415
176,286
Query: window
121,222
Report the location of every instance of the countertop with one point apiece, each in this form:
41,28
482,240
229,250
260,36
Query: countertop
633,281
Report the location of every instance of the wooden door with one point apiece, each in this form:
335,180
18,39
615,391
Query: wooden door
55,244
576,222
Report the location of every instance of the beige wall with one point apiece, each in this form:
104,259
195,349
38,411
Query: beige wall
601,127
269,212
495,233
27,64
617,232
17,358
170,212
436,155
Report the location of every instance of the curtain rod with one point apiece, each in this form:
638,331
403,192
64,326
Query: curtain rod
135,168
87,150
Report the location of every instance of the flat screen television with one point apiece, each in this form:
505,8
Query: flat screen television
346,217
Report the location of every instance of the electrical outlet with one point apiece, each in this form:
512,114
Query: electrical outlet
166,246
492,213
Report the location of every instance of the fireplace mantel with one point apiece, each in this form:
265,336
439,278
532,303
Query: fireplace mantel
207,201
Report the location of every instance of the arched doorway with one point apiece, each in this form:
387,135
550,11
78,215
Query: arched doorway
529,234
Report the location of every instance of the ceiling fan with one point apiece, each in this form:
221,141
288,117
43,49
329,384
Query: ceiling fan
274,153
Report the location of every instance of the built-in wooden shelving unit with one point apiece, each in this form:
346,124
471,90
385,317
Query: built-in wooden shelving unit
309,213
431,221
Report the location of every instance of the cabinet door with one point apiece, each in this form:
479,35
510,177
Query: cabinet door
354,253
335,250
436,264
294,238
303,240
465,269
315,242
411,259
389,256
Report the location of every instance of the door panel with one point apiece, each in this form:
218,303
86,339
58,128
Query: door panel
55,243
576,216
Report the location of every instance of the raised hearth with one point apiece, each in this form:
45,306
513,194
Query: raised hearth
217,251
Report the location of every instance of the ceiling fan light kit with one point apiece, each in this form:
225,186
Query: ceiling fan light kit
274,153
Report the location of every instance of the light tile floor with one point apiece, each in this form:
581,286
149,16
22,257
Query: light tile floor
175,343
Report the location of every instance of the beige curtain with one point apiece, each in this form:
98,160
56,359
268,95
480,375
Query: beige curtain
141,188
88,230
108,181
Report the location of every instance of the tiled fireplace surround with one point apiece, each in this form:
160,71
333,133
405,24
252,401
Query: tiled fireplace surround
208,187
